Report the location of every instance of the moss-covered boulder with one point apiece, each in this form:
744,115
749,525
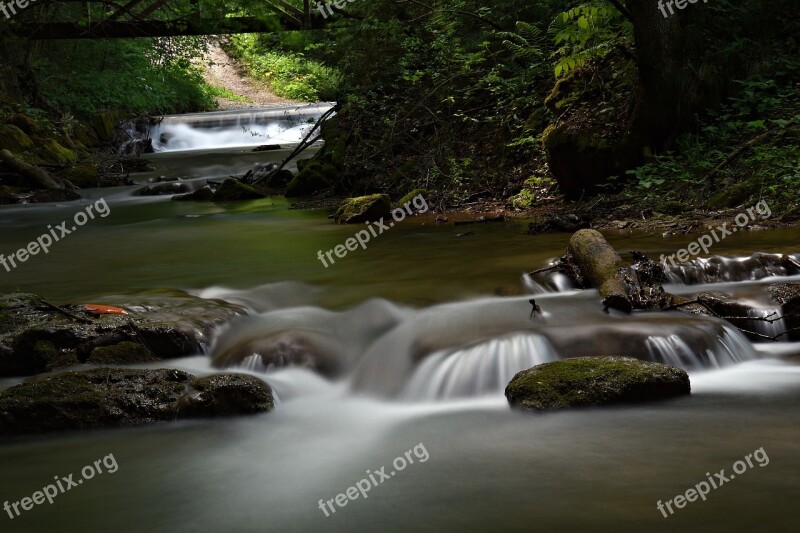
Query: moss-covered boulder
121,397
124,353
49,151
84,175
25,123
203,194
14,139
226,395
279,180
595,381
363,209
105,124
314,176
737,194
233,190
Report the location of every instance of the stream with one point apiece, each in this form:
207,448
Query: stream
416,289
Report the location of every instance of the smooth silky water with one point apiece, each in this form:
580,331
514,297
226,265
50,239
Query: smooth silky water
417,285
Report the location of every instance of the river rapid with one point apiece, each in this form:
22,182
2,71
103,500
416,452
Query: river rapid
465,300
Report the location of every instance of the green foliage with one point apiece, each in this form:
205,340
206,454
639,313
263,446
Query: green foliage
586,32
291,74
139,76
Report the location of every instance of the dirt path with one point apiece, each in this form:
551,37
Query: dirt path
223,71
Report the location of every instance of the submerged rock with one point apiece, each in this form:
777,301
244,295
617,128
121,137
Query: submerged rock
35,337
363,209
787,295
106,398
204,194
594,381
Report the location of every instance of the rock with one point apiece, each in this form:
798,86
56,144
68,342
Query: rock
124,353
204,194
787,295
594,381
233,190
363,209
313,177
49,151
122,397
226,395
14,139
25,123
172,326
162,189
84,175
602,267
105,124
49,196
279,180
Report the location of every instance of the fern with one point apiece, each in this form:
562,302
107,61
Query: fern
586,32
526,44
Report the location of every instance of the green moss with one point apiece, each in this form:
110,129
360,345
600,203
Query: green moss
410,197
50,151
592,381
363,209
233,190
736,195
83,175
120,354
313,177
14,139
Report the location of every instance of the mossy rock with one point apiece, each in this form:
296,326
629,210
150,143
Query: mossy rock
84,175
363,209
595,381
25,123
233,190
8,195
563,94
204,194
121,397
280,179
105,124
579,157
49,151
226,395
410,197
52,196
124,353
735,195
14,139
314,177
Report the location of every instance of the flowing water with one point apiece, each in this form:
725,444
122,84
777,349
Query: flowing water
424,329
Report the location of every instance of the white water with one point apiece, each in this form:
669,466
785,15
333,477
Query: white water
237,128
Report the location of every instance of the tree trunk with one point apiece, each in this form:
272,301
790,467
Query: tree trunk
663,107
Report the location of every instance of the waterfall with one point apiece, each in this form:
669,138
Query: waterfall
225,129
478,370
